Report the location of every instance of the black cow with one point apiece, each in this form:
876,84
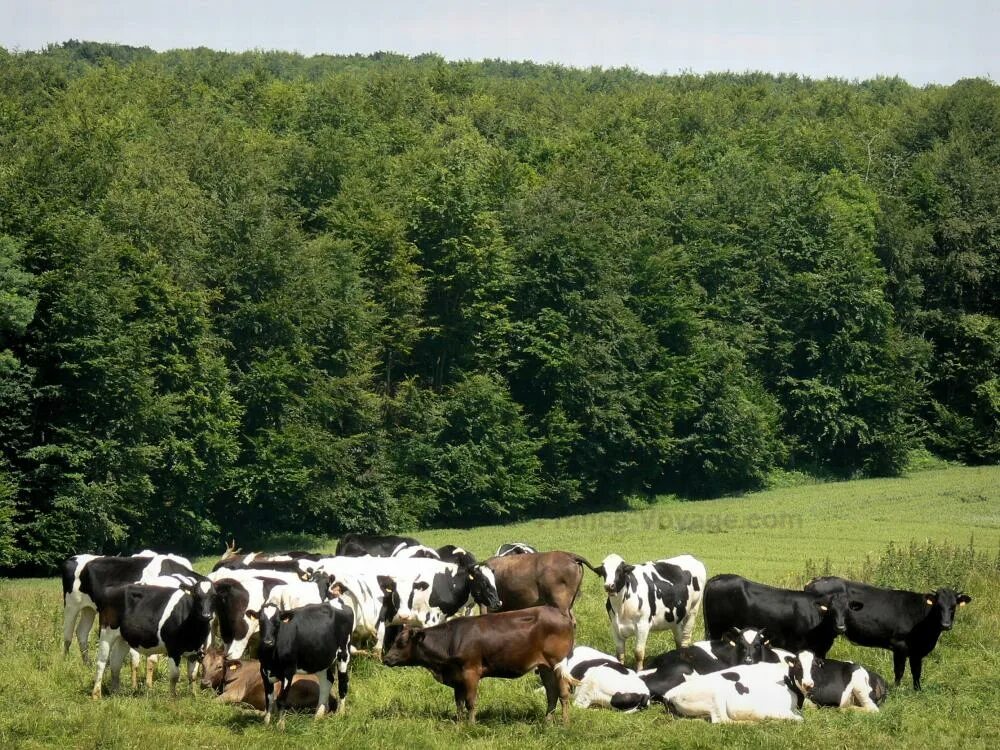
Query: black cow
359,545
158,620
307,640
737,647
794,620
905,622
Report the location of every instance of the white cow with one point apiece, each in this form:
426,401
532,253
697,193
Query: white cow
656,595
745,693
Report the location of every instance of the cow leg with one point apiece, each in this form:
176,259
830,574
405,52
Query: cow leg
619,643
343,677
687,630
134,660
862,689
564,690
325,679
108,638
268,699
898,664
175,675
379,640
459,702
83,627
192,670
471,691
551,682
641,636
916,665
69,622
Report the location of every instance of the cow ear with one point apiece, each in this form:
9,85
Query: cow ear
628,568
963,599
233,667
855,606
305,575
822,607
286,616
417,636
252,614
930,599
790,660
601,571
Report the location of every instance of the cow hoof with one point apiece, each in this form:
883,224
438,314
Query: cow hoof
95,694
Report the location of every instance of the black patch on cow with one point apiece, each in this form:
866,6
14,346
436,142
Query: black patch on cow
579,670
668,585
741,688
732,676
629,701
694,583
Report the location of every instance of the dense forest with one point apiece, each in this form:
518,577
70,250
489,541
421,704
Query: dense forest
258,294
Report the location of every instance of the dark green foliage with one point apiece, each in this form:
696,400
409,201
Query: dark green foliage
256,294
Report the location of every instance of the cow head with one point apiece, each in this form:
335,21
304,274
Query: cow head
213,668
834,609
269,620
323,582
205,597
391,601
744,646
405,648
944,603
483,586
615,572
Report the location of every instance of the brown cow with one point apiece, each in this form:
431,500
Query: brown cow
239,681
533,579
459,653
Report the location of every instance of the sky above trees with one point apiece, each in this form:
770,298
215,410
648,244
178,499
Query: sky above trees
922,41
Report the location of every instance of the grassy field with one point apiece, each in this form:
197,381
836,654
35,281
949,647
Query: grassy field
780,537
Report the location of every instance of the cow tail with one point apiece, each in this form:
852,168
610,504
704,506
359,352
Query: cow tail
582,561
563,673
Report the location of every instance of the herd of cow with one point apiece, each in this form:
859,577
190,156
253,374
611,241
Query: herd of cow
764,657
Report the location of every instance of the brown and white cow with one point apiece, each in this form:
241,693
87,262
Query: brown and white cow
459,653
239,681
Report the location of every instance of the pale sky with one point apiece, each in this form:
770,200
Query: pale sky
923,41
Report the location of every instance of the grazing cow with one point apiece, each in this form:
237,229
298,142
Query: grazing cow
430,594
161,620
656,595
515,548
108,573
308,640
842,684
746,693
359,545
795,620
423,591
240,682
737,647
533,579
459,653
602,680
451,554
239,591
905,622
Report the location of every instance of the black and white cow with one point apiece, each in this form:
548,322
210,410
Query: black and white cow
238,591
156,620
450,553
515,548
737,647
86,577
752,692
435,591
263,560
359,545
794,620
905,622
656,595
416,550
842,684
308,640
300,593
602,680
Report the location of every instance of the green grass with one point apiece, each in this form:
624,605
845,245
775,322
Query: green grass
779,536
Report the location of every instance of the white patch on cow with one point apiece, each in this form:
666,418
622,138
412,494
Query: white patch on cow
806,659
758,692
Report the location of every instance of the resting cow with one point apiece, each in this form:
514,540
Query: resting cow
535,579
601,680
842,684
794,620
737,647
239,681
656,595
746,693
459,653
905,622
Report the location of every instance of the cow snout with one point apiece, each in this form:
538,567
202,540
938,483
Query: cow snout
609,588
841,628
946,626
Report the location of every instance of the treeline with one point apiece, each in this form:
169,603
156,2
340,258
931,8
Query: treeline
260,293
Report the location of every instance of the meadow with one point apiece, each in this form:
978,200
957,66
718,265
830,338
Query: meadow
928,529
